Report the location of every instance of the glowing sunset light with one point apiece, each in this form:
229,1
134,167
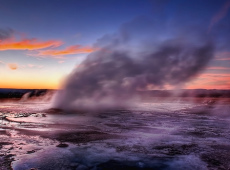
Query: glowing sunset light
27,44
137,44
210,81
16,78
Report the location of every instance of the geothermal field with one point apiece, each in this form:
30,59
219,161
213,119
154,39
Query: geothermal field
157,133
115,85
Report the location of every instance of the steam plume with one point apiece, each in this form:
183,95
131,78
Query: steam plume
131,60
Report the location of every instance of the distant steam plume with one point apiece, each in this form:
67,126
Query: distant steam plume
139,55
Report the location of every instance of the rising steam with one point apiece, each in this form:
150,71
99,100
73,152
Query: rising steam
138,56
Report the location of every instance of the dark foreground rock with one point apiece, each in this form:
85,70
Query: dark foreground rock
62,145
5,159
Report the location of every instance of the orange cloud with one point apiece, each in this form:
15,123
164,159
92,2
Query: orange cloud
12,66
27,44
76,49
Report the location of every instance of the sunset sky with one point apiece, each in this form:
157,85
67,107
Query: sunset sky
42,41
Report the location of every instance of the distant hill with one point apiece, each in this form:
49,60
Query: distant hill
18,93
201,93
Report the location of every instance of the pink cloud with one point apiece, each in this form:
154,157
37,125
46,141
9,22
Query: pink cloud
35,66
220,15
61,61
218,68
30,65
40,66
1,62
223,56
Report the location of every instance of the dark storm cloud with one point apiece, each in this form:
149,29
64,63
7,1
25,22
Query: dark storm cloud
5,33
139,55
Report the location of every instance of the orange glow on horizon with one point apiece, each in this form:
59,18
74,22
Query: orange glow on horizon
30,85
209,86
210,81
30,78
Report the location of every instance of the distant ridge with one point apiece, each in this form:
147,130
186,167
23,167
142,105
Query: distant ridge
187,93
201,93
18,93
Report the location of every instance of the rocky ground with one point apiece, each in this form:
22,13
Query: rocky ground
169,135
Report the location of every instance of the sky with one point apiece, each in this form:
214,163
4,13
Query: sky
42,41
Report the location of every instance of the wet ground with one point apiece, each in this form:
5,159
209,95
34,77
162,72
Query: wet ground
161,134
